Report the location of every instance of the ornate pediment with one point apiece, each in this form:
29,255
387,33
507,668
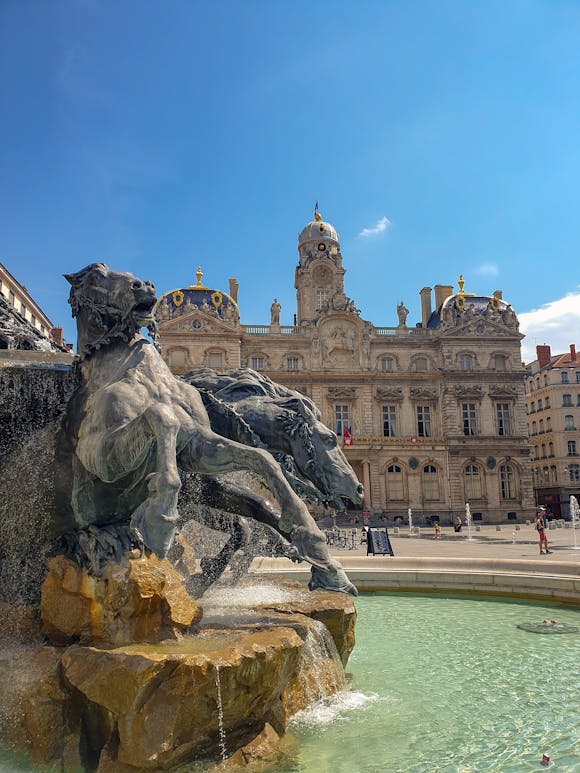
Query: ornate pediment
393,394
479,326
468,390
335,393
197,321
423,393
503,390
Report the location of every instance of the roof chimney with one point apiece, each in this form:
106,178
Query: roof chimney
573,352
544,355
233,288
425,305
441,293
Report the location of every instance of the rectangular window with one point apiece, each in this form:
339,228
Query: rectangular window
387,364
567,400
572,448
578,376
564,377
389,420
423,421
292,363
322,295
469,419
341,416
569,422
502,411
258,363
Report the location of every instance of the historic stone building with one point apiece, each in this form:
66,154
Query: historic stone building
553,408
436,411
23,324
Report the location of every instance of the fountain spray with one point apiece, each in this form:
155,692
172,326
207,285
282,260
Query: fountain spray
468,519
575,513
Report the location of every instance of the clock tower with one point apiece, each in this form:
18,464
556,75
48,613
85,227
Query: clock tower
319,274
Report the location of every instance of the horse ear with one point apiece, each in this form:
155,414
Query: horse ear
76,279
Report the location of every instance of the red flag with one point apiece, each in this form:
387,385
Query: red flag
346,437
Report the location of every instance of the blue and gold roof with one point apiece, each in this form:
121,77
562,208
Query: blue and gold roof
196,296
463,301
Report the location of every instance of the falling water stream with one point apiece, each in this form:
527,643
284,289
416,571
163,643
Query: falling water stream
220,710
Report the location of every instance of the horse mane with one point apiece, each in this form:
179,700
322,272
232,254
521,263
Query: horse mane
103,322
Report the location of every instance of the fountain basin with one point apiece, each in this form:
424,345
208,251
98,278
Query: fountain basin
156,704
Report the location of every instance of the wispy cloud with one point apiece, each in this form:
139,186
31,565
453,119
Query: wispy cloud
379,228
487,270
556,323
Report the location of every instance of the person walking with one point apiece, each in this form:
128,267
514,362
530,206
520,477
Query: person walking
541,527
436,527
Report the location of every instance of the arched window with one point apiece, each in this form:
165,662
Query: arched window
420,364
395,487
507,484
534,428
499,361
465,361
430,482
472,482
215,359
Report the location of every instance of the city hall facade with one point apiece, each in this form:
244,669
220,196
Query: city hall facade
435,411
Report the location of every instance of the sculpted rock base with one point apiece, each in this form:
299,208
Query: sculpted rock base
139,599
156,705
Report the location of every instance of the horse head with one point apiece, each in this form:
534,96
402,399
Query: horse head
109,305
317,454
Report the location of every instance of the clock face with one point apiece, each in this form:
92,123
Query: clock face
321,247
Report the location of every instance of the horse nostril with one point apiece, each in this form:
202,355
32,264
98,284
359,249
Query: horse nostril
136,285
360,490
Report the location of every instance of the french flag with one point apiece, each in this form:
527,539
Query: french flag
346,436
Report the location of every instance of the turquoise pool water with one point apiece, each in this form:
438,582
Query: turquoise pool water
449,684
446,685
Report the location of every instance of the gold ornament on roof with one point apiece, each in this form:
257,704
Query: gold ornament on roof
198,286
177,297
216,299
462,295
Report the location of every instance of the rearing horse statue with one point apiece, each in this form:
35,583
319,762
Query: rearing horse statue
132,425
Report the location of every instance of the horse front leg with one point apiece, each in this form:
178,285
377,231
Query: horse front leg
156,517
212,454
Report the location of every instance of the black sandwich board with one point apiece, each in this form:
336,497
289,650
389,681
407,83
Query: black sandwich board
378,543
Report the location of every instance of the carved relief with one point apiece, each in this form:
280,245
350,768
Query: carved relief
468,390
394,394
503,390
347,393
423,392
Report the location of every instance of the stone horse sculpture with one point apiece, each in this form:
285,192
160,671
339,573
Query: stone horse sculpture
132,425
247,406
287,424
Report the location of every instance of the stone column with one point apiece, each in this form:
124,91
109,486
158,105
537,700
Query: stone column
367,484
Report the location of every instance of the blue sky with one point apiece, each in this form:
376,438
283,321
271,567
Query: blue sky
438,137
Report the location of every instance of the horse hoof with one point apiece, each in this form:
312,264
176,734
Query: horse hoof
331,580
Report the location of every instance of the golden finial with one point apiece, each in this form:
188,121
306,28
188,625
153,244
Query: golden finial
199,274
461,283
317,215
